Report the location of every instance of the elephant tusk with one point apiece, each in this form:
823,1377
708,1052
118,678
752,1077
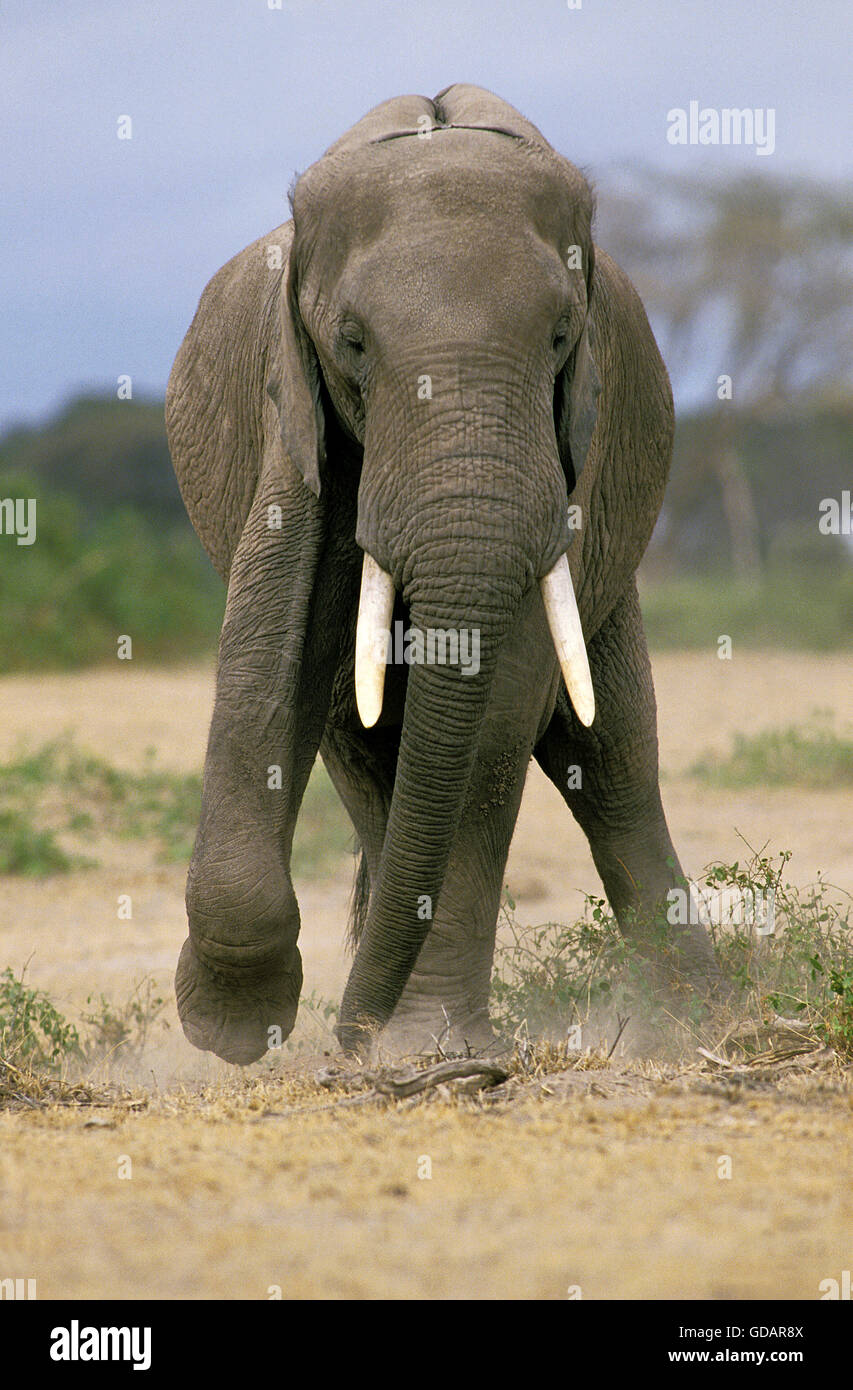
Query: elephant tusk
375,610
561,610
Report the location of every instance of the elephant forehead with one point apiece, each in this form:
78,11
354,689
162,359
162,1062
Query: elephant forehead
489,279
463,176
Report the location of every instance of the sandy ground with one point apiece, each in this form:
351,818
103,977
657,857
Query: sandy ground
237,1187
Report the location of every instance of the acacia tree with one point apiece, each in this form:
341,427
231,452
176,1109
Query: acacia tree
749,285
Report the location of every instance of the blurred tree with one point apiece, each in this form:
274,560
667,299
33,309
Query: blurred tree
749,279
104,452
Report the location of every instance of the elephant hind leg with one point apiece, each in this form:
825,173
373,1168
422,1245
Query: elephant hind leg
362,766
608,776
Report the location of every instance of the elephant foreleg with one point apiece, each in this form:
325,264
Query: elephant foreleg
608,776
239,976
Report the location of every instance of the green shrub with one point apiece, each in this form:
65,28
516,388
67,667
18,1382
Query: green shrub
805,967
35,1037
32,1031
27,850
66,599
547,978
121,1029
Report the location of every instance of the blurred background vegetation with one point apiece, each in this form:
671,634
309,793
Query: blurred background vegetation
115,553
748,278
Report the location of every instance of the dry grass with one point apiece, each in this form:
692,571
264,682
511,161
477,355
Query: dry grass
603,1175
26,1086
179,1177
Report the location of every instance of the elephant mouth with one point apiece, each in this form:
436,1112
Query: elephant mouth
375,611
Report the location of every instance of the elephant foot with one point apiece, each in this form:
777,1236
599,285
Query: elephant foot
236,1019
682,998
676,958
695,982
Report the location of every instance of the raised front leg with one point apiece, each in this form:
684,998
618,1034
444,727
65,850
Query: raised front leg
608,775
240,973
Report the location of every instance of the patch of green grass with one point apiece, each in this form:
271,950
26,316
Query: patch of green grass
154,805
59,789
27,850
813,756
548,978
778,609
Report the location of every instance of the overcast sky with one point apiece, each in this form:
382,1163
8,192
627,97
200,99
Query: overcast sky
107,243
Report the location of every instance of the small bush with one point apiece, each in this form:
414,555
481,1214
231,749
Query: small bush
122,1029
26,850
550,977
547,979
35,1038
805,967
32,1030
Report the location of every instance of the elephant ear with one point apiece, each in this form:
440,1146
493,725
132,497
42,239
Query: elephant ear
576,393
296,388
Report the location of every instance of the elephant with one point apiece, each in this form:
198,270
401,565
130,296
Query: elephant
426,404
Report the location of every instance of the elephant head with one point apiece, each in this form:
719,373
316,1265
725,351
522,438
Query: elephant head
436,314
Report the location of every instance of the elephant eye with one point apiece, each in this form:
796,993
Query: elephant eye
352,340
560,340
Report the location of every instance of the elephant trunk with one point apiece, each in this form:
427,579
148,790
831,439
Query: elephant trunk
445,704
462,508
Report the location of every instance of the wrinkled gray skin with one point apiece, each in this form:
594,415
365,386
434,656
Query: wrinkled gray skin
296,388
